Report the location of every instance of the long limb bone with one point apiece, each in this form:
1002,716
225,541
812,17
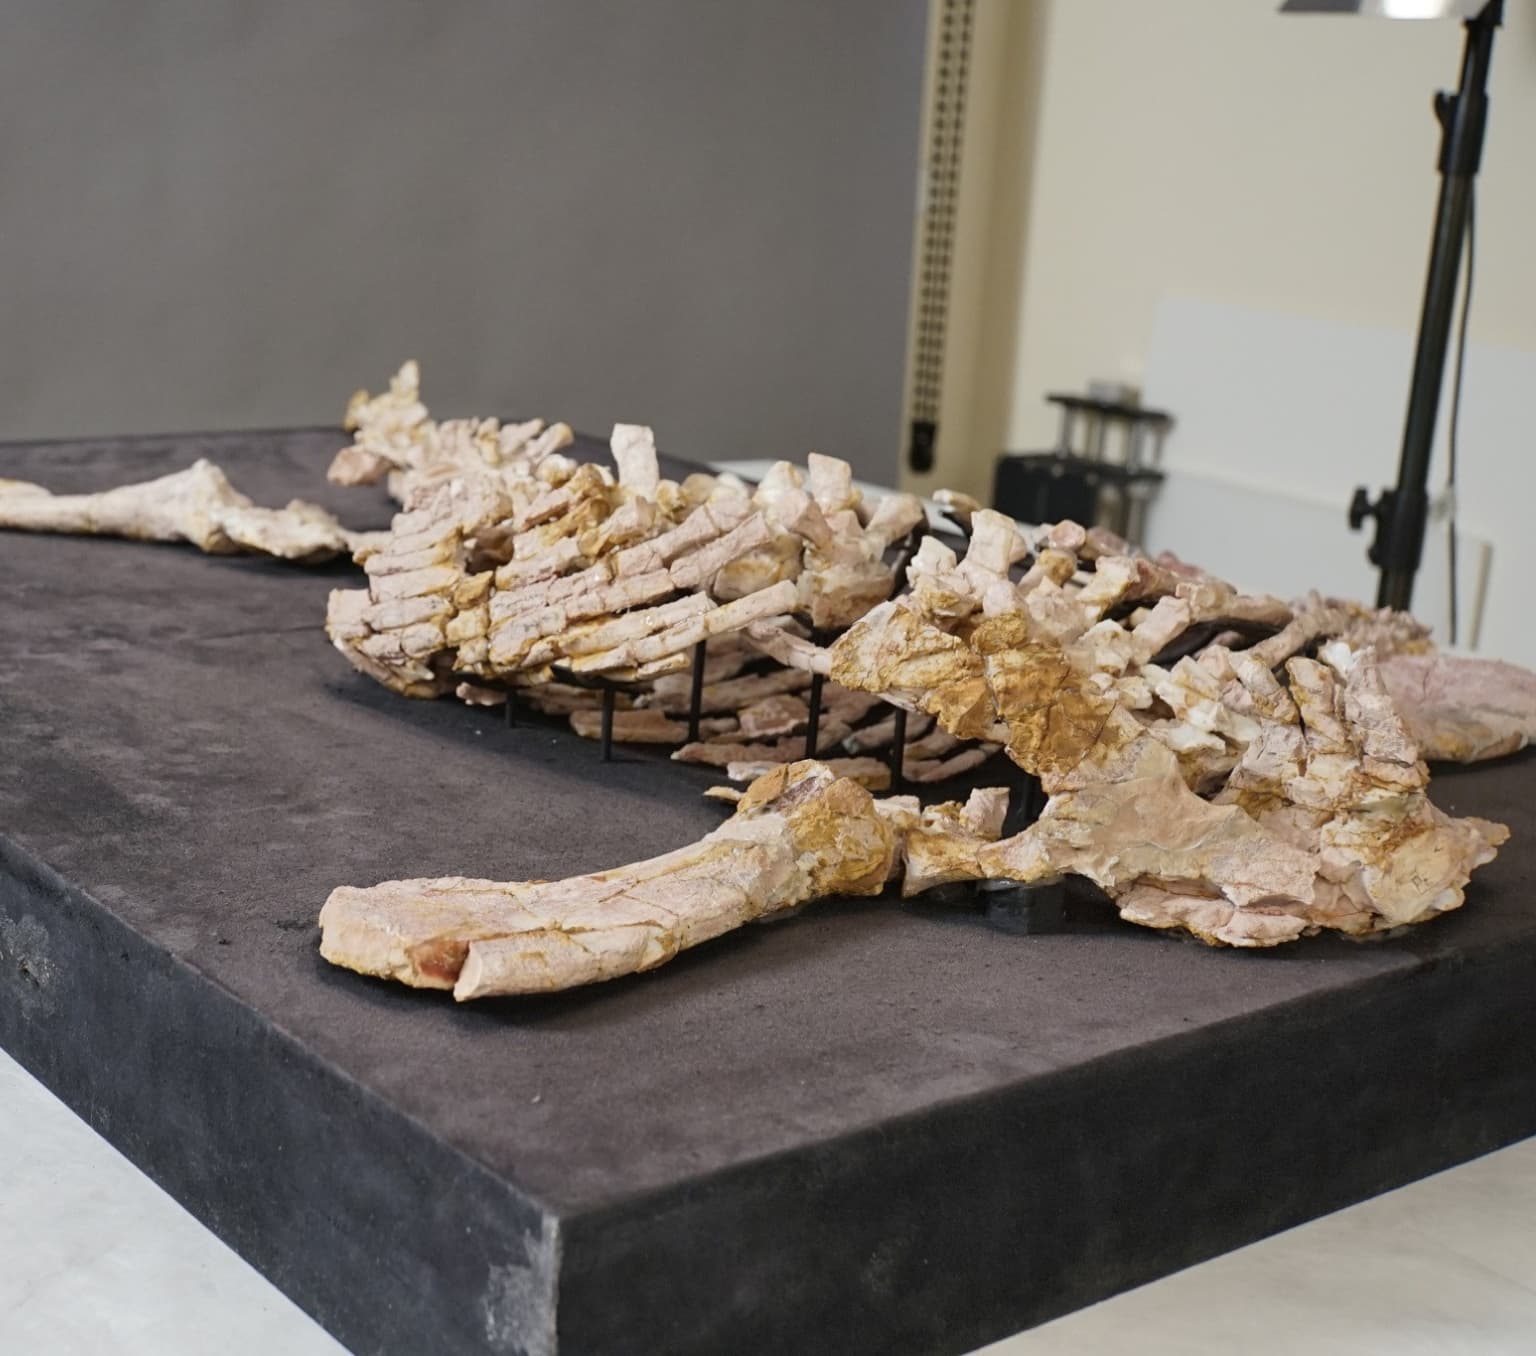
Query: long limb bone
799,833
197,505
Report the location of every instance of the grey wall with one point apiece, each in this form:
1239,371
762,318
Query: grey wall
695,213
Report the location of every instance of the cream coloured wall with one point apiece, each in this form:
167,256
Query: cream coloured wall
1217,149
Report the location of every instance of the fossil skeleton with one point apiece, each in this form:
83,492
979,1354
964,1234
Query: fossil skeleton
1216,762
1227,764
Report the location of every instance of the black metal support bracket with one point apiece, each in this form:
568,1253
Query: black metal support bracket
1011,906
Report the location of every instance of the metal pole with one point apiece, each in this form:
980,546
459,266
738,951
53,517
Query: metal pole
696,692
610,699
1402,512
898,750
813,717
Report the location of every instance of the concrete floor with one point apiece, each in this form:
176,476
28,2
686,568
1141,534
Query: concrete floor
95,1258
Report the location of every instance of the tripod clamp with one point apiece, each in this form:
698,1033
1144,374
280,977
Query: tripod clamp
1401,516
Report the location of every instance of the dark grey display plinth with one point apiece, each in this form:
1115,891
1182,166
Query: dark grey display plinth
873,1128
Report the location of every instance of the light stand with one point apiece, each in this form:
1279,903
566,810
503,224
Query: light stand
1402,512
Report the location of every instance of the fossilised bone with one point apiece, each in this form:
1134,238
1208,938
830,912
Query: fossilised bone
925,771
392,430
634,452
731,694
799,833
621,579
394,436
882,732
1462,710
893,652
1373,855
958,507
562,699
788,649
1317,816
769,716
1293,796
197,505
845,574
870,773
610,577
946,843
643,726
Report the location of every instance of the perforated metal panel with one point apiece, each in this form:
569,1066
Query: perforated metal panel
941,183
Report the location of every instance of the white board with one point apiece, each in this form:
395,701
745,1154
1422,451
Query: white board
1281,416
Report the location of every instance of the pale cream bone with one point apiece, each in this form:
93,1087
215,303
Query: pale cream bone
1460,709
390,431
879,735
870,773
840,709
634,452
644,726
1318,817
799,833
394,436
794,651
1354,849
728,748
1373,854
548,606
930,770
844,572
898,653
945,845
562,699
730,694
1063,605
197,505
781,556
957,507
539,607
767,717
830,482
839,712
845,705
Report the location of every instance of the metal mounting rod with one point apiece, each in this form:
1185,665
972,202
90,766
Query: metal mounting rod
898,749
696,692
610,697
813,719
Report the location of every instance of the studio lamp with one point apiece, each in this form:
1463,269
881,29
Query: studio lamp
1402,512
